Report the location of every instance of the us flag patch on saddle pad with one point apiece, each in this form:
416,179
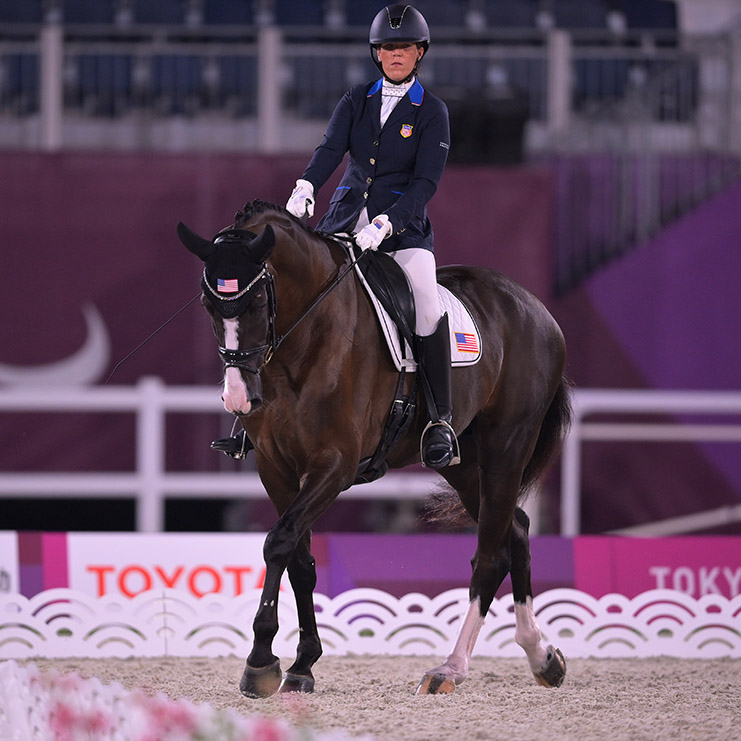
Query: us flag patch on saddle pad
465,339
466,342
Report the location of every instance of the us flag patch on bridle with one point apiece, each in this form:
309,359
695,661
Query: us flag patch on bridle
227,285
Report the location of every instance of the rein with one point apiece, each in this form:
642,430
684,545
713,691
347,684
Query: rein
320,298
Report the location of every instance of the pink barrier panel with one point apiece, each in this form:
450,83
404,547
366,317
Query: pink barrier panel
693,565
230,564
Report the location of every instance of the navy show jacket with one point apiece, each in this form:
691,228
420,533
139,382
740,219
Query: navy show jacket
393,170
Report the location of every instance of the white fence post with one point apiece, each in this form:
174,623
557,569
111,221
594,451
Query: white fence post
51,105
269,89
559,81
150,456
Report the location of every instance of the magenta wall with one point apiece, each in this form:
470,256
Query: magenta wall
99,228
664,316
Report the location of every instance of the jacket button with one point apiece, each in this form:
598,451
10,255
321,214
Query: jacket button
372,160
369,180
375,144
365,195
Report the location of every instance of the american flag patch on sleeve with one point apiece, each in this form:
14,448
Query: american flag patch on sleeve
227,285
466,342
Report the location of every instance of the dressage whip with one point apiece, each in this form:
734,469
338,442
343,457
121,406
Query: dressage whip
317,301
144,342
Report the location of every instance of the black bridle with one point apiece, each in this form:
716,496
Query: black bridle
240,358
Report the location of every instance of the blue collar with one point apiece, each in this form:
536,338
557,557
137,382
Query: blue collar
416,92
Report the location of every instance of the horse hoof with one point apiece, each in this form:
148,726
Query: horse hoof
555,669
435,684
262,682
297,683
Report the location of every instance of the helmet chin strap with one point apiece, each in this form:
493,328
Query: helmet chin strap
409,77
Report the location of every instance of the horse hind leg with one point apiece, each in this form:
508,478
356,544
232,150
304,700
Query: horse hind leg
444,678
547,663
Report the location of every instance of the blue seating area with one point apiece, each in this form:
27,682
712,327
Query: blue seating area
28,11
511,13
447,14
21,88
228,12
84,11
185,79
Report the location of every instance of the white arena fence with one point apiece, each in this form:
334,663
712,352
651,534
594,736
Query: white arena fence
60,623
150,484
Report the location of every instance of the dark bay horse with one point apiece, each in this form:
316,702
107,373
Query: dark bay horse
312,383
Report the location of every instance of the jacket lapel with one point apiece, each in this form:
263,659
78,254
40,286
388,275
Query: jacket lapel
404,112
374,105
406,109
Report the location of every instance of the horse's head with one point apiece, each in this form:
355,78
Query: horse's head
238,294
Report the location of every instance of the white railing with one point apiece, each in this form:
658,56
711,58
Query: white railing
150,484
590,402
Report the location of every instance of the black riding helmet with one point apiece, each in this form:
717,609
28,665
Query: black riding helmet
398,24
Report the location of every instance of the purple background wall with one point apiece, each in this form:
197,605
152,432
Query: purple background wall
664,316
100,228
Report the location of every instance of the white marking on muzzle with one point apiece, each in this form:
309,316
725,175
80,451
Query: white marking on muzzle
235,391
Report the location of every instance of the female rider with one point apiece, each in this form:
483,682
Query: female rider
398,137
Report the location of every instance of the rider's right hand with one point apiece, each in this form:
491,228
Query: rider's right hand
301,202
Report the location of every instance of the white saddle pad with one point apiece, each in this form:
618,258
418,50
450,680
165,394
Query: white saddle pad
465,338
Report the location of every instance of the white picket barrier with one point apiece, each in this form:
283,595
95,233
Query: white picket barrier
64,623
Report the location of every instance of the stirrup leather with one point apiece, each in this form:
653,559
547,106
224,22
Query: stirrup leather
456,453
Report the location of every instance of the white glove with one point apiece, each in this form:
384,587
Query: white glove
369,237
301,202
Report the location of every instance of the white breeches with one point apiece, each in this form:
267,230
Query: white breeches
419,266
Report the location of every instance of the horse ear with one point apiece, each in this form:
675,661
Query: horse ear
262,246
198,245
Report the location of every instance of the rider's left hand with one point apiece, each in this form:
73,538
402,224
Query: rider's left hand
371,236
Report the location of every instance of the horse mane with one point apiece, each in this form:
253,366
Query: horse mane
258,206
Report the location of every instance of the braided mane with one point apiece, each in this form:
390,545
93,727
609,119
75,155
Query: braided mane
258,206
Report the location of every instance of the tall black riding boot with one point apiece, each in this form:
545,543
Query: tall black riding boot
439,447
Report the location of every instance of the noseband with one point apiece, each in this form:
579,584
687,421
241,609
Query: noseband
240,358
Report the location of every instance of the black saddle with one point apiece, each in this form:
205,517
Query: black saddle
389,283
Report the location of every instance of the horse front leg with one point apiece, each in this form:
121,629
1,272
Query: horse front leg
262,674
302,573
547,663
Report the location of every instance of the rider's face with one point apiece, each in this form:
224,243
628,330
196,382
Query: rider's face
398,60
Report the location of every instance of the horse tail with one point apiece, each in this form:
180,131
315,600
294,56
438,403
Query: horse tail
443,506
555,425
